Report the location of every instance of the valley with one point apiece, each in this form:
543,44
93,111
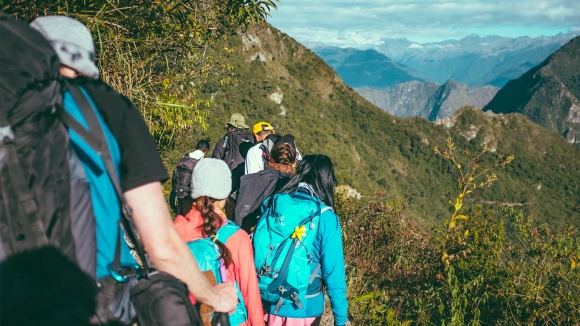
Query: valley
427,99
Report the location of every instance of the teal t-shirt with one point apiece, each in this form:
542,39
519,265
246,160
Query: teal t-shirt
106,204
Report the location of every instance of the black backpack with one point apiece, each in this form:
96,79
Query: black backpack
48,246
38,251
181,179
232,143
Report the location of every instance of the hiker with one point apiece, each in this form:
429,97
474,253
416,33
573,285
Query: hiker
128,172
201,148
211,185
290,139
237,122
257,157
237,174
240,170
298,249
256,187
179,198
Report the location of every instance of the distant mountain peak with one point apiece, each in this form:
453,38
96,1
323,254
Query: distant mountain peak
474,60
548,94
367,68
373,150
366,56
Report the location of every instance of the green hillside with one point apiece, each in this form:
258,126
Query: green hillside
548,94
280,81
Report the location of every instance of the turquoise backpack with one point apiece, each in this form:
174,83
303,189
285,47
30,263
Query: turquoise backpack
282,240
206,254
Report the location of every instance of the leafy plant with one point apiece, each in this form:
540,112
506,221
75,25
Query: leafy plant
158,53
489,267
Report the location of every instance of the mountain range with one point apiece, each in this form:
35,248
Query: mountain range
548,94
370,68
427,99
473,60
280,81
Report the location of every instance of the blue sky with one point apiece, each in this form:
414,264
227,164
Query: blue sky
364,24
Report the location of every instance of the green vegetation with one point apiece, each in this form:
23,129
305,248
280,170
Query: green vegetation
482,268
548,94
484,261
157,53
373,150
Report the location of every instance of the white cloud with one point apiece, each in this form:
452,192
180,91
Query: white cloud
415,46
365,24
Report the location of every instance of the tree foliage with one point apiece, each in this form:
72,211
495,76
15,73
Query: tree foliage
157,53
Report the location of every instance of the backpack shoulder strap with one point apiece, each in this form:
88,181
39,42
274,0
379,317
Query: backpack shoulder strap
95,137
265,154
326,208
226,231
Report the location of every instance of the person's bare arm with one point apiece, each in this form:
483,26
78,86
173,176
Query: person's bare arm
168,252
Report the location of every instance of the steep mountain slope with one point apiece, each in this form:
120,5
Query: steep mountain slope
280,81
428,100
453,95
404,100
548,94
369,68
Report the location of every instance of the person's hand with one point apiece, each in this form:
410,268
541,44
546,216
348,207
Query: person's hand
227,298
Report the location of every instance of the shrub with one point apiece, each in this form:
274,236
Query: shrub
483,267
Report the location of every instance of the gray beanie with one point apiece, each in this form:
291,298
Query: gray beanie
71,41
211,177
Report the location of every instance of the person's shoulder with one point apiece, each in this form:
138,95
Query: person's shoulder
101,91
239,237
254,151
328,218
256,147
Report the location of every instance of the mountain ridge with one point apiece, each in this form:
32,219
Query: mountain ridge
473,60
373,69
428,100
280,81
548,94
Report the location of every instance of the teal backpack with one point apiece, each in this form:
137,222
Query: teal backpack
206,254
282,240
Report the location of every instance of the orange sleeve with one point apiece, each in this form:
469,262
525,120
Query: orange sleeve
243,271
182,226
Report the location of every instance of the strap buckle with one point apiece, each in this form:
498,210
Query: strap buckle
122,278
296,299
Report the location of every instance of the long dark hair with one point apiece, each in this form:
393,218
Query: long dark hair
211,223
318,171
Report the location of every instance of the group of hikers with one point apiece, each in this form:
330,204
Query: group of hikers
284,202
87,237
